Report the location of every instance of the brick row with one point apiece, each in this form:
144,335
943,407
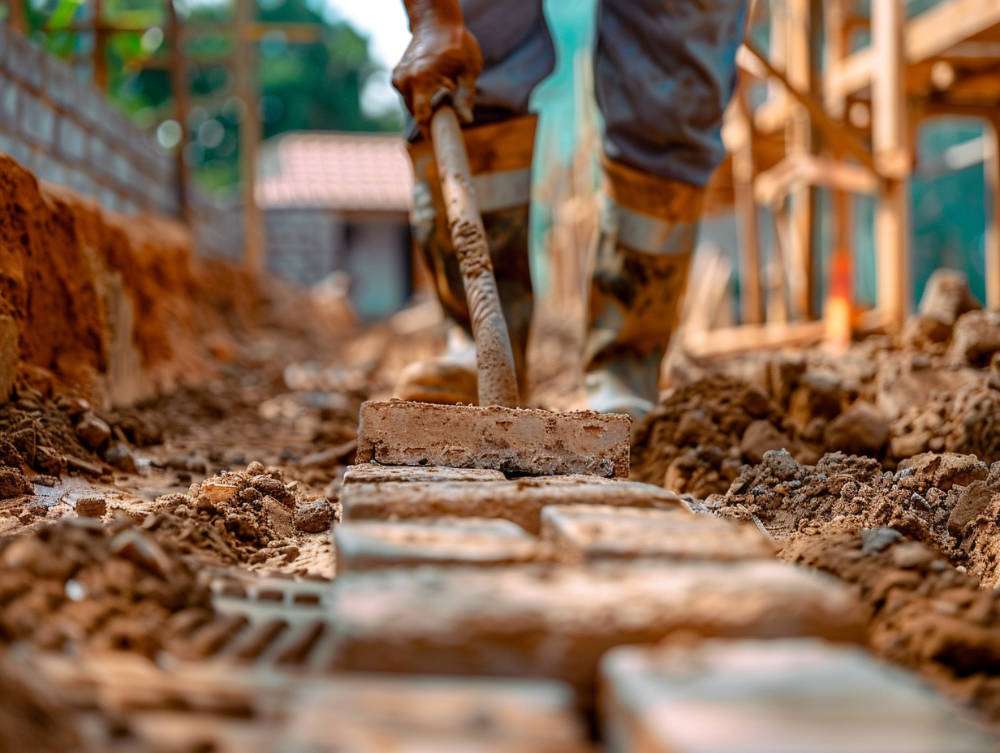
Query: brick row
519,501
556,621
801,696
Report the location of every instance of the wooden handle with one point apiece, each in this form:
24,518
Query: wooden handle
494,356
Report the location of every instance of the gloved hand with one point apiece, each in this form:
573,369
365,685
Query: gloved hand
443,57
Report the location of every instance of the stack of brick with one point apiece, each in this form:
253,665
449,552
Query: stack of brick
679,630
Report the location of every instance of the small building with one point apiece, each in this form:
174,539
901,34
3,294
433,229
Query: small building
338,203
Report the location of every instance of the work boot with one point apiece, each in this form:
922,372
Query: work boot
500,160
649,226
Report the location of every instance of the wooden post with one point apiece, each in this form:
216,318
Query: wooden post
246,85
839,312
100,51
182,107
991,170
803,41
751,293
890,137
17,18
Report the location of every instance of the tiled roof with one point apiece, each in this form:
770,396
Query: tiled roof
340,171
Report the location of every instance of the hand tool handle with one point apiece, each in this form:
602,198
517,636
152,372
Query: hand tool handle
494,356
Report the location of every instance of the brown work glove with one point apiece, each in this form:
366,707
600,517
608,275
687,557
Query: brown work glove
442,58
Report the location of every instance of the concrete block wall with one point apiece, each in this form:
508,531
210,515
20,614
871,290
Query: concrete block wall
67,132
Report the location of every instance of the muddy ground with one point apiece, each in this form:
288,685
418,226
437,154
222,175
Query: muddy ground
880,466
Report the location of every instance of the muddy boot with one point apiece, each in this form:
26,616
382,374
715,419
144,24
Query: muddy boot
648,231
500,159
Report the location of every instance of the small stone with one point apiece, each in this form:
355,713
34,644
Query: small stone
93,431
875,540
976,338
971,502
216,492
947,296
860,430
760,437
91,507
13,483
121,457
314,517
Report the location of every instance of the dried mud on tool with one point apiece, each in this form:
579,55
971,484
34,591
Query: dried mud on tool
496,434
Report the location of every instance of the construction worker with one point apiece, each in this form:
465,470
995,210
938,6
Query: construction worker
664,71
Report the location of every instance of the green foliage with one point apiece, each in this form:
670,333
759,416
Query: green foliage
303,86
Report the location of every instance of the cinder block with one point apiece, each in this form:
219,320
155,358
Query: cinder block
376,715
373,473
794,696
519,501
513,440
599,532
557,621
372,545
72,140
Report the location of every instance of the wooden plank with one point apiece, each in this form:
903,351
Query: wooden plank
836,132
929,35
774,184
890,136
991,171
246,86
182,106
751,292
734,340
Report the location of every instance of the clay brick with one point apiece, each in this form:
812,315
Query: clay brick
375,715
372,473
371,545
557,621
598,532
765,696
519,501
513,440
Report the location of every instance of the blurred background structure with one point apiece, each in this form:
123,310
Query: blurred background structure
862,148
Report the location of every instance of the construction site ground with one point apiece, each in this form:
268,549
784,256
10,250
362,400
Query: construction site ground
812,566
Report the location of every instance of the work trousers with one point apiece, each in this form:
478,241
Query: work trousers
664,71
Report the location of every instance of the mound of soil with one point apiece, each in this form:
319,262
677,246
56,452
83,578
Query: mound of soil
692,442
235,517
923,613
77,583
931,499
965,419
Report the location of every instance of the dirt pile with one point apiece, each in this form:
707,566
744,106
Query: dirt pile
693,441
236,517
77,583
923,613
945,501
117,309
965,419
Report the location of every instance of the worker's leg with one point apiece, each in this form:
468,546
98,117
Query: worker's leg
664,72
518,54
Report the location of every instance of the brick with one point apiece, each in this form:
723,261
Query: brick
372,473
8,102
767,696
72,140
519,501
598,532
375,715
519,440
371,545
38,120
557,621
